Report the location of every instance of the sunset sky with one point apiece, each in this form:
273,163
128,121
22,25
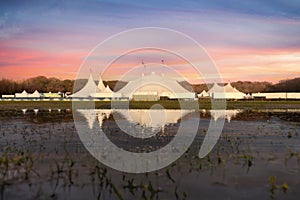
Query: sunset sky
252,40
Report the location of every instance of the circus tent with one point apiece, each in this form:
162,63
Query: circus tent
155,87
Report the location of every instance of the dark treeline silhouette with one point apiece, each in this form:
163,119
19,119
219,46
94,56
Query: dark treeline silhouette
251,87
44,84
243,86
290,85
40,83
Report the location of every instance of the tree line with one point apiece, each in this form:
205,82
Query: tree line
290,85
40,83
44,84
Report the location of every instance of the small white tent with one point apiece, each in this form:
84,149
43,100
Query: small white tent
35,94
225,92
24,94
203,94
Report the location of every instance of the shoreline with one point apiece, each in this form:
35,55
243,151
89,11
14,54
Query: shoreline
167,104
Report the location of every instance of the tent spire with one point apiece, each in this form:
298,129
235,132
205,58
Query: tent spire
144,66
163,67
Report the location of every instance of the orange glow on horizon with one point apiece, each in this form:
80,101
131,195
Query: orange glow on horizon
234,64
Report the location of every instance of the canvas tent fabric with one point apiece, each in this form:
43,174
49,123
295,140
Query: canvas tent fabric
24,94
203,94
101,86
105,92
95,91
225,92
89,88
161,85
35,94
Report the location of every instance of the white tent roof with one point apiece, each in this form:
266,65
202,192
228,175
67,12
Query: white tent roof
35,94
21,95
102,91
220,89
24,92
225,92
229,88
107,90
154,83
101,86
89,88
203,94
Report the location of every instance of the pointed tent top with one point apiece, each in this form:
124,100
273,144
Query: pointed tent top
108,90
35,94
203,92
229,88
100,84
89,88
215,88
24,92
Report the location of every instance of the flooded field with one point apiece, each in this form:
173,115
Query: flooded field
257,155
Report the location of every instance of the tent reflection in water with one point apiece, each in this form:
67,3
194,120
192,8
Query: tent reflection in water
154,118
223,114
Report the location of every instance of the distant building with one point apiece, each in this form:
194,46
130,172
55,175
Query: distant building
276,95
8,96
52,95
